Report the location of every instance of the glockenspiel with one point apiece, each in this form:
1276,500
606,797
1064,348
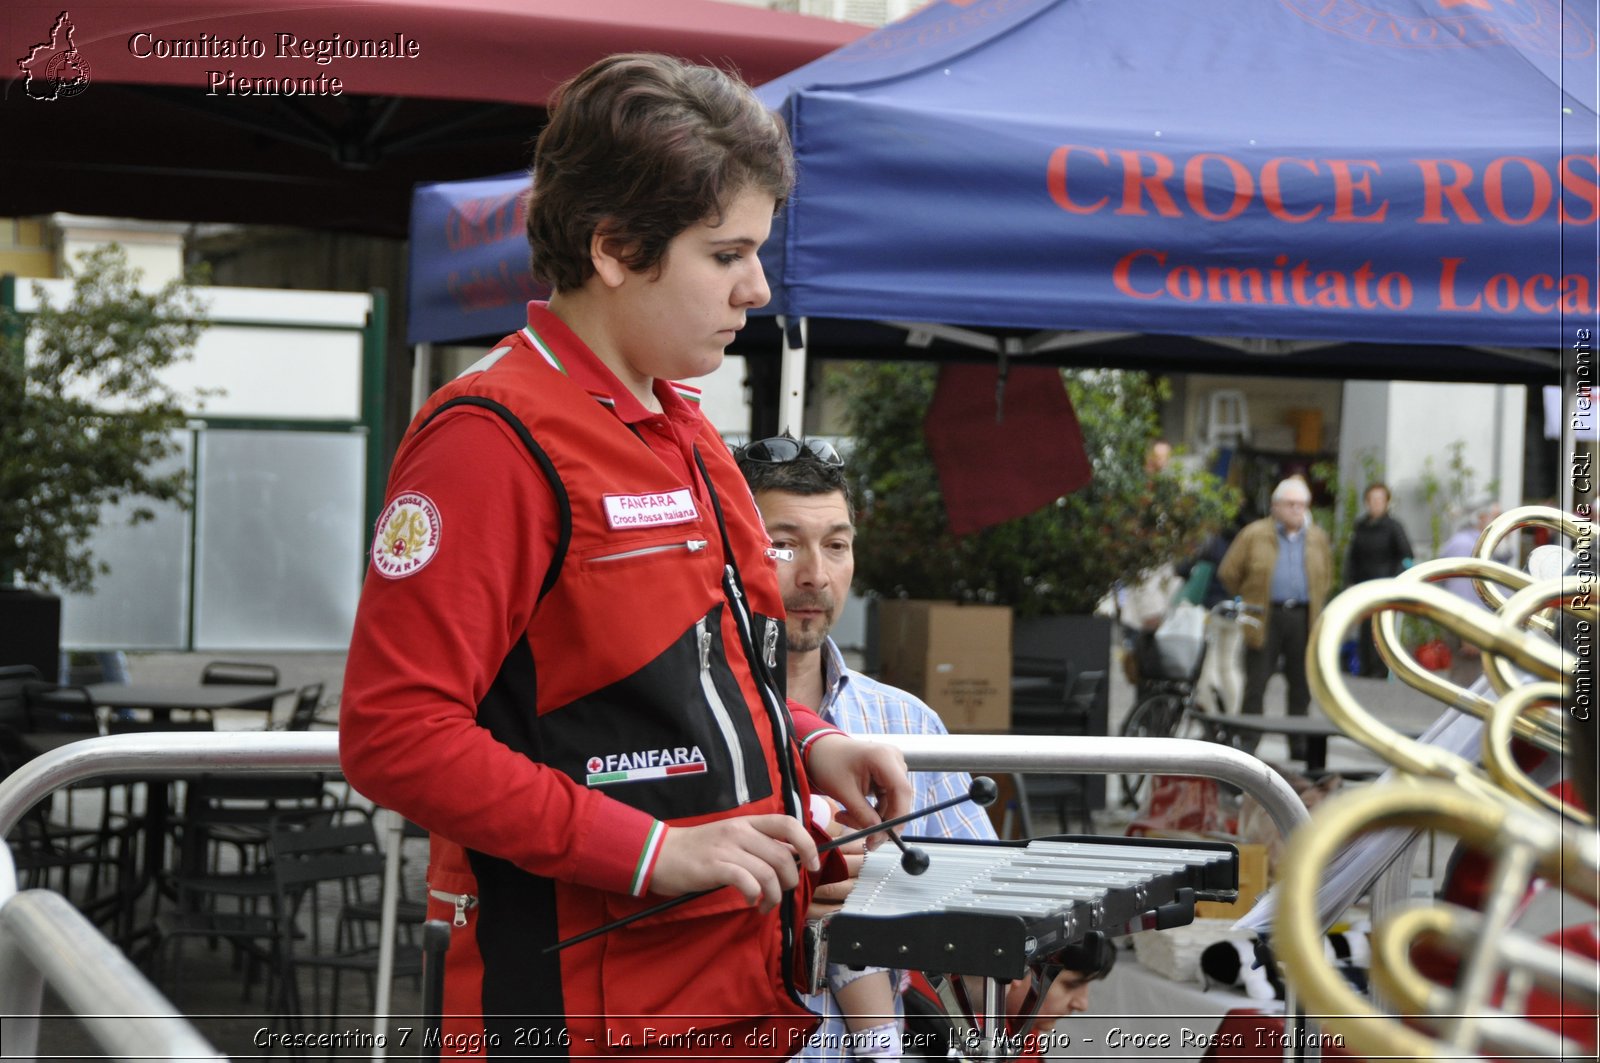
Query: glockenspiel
993,908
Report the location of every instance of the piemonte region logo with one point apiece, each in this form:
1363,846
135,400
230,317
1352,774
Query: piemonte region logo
1545,27
55,69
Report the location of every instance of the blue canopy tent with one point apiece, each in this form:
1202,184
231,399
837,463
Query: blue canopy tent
1262,186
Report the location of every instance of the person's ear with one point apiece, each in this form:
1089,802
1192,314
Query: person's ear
606,250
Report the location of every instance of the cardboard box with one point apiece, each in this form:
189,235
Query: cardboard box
955,657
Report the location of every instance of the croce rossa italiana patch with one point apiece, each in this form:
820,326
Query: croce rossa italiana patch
408,535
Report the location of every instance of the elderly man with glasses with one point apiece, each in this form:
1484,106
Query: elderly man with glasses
1281,565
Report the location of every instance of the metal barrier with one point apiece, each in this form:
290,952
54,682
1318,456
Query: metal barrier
177,753
155,753
43,939
1078,755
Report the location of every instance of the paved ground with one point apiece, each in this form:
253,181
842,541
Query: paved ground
209,987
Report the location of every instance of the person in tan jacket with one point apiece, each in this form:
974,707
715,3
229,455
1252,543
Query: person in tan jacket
1283,566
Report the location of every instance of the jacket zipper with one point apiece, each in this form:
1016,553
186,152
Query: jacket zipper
778,714
778,711
769,644
462,902
694,546
741,784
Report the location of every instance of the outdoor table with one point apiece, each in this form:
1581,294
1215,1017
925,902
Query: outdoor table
162,699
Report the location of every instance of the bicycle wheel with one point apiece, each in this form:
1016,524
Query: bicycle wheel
1157,716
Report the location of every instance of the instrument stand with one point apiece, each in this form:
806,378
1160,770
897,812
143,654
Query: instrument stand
981,1035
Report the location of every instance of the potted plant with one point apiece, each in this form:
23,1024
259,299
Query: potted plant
84,414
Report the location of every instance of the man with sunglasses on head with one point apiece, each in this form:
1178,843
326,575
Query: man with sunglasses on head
804,499
563,664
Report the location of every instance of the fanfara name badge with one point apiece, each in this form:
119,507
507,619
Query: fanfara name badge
408,535
645,764
650,511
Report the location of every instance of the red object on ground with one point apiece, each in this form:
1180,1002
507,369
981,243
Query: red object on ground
1179,803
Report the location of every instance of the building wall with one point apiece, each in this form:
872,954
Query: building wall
154,249
1426,418
24,249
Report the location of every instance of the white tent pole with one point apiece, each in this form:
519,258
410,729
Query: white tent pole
792,382
421,373
392,834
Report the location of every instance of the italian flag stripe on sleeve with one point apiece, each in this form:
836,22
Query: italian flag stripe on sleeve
647,859
821,732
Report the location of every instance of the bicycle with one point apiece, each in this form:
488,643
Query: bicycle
1170,706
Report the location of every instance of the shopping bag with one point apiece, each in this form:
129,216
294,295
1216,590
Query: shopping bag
1179,640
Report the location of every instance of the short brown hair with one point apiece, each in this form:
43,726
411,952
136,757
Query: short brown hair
646,146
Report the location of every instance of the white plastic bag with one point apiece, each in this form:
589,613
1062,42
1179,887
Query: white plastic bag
1180,639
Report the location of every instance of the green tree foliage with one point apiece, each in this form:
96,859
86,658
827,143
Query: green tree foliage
1063,558
84,414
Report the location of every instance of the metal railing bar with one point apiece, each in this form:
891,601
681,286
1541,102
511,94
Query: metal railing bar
158,753
1095,755
43,938
154,753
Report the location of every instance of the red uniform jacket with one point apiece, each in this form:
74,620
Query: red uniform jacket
569,640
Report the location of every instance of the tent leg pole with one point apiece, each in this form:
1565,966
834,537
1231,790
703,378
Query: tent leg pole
421,373
393,836
792,378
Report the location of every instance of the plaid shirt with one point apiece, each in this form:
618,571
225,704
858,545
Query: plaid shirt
860,705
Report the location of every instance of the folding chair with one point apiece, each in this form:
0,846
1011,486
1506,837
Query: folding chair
306,703
242,673
318,871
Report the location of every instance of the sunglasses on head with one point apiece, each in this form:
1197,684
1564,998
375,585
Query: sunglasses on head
780,450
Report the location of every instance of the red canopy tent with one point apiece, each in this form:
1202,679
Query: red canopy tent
320,115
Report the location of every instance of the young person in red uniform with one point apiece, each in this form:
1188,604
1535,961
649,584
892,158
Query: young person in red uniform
567,661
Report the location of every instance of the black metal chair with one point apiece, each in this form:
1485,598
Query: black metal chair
243,673
46,854
240,673
223,881
238,811
410,912
306,703
14,682
319,871
58,709
1069,706
50,849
